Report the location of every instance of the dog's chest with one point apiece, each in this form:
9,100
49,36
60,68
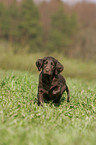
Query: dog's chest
49,85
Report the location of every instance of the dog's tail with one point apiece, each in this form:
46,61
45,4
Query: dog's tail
68,93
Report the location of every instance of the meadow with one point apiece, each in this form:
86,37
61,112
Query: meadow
26,62
22,121
73,68
29,32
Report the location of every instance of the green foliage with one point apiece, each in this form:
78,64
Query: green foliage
72,68
9,22
83,39
30,25
62,30
21,24
23,122
1,9
2,14
14,16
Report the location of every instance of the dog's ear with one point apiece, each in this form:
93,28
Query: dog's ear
59,67
39,64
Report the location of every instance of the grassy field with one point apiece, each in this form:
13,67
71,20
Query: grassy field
26,62
22,122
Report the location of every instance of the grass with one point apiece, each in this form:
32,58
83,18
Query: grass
23,122
26,62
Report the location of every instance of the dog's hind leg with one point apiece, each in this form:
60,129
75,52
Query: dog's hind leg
68,93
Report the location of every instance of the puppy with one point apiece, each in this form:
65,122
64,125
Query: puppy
51,83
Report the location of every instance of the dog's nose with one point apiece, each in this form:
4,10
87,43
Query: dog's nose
47,69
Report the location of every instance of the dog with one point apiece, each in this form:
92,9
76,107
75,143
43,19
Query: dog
51,83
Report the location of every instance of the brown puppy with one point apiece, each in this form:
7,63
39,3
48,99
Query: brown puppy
51,83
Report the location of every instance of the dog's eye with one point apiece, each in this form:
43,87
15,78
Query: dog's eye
46,62
52,63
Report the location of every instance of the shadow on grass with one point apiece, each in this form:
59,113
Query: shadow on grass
50,102
59,103
55,104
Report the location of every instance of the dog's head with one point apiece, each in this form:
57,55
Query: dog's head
49,66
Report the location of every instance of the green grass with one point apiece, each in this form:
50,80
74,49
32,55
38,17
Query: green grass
22,122
23,61
26,62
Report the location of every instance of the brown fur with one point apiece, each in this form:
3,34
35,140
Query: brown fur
51,83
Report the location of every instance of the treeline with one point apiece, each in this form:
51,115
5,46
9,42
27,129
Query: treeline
49,26
21,24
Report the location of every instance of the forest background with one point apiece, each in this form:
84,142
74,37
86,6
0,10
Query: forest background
33,29
50,26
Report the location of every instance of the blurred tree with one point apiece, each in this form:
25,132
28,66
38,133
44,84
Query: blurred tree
1,9
7,2
30,27
20,24
14,17
1,15
5,23
62,29
9,22
84,46
46,9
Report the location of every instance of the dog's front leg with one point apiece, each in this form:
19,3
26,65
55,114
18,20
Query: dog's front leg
40,98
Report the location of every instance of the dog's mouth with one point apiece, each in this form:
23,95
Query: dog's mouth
47,72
